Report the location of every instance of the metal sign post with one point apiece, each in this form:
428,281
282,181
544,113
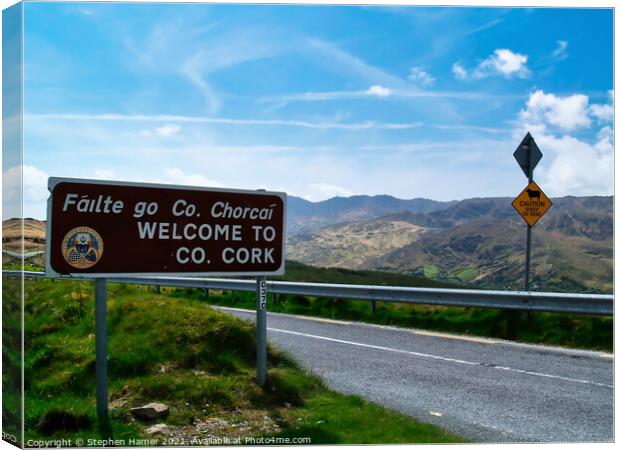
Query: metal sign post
528,236
531,203
92,225
527,155
528,251
261,330
101,350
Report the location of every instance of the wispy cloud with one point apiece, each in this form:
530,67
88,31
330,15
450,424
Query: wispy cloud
336,59
194,48
167,130
105,174
477,29
175,175
322,190
225,121
420,76
560,52
460,73
378,91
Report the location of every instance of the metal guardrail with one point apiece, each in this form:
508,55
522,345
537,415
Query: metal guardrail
594,304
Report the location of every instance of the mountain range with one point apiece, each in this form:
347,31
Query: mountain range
478,242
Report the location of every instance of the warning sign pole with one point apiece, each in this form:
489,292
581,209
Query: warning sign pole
528,238
531,203
528,249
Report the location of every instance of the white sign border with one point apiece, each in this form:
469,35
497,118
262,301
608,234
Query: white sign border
51,273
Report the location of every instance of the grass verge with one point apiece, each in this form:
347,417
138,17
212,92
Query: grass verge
196,360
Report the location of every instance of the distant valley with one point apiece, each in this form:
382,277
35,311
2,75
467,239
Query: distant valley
480,242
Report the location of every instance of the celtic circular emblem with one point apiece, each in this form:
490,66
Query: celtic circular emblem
82,247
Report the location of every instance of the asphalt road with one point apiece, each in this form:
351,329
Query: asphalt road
486,390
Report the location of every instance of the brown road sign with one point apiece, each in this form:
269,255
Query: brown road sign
104,228
532,203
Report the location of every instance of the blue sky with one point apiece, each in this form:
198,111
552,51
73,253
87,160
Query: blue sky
318,101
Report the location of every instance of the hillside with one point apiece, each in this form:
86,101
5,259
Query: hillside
477,241
198,362
304,216
34,235
352,244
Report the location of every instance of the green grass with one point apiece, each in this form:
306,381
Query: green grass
430,270
11,359
27,267
178,351
296,271
329,418
467,274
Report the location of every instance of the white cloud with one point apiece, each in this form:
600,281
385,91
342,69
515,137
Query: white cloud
34,184
459,71
571,165
602,112
167,130
503,62
420,76
86,11
105,174
578,167
322,191
174,175
560,52
605,136
567,113
379,91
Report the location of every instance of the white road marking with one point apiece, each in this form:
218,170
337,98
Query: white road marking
441,358
376,347
480,340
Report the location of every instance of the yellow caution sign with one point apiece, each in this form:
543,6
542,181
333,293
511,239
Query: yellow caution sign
532,203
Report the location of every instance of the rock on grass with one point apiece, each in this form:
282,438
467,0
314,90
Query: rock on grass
151,411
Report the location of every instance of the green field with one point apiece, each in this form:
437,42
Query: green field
174,349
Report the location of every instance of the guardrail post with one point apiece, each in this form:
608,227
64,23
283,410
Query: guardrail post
101,352
373,307
261,330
